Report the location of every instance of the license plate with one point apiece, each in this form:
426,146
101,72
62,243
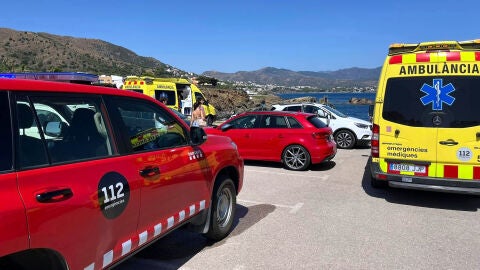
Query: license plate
402,167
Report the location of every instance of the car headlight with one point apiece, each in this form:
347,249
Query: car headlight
360,125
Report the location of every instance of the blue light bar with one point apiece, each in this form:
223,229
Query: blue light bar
53,76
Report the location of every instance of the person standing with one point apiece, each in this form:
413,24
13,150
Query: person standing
198,114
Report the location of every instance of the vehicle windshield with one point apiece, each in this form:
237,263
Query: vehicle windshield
181,115
448,101
334,111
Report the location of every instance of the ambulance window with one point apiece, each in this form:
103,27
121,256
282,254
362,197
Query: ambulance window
168,94
405,103
6,157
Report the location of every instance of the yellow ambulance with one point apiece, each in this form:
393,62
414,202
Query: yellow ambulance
426,118
179,93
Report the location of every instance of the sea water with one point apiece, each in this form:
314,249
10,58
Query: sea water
340,101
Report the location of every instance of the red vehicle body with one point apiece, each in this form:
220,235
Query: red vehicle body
294,138
64,207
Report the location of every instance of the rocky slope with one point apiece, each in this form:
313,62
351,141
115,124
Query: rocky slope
230,102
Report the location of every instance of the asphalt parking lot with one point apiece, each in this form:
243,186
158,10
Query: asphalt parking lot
329,218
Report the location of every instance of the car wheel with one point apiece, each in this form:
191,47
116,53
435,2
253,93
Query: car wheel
296,157
345,139
224,200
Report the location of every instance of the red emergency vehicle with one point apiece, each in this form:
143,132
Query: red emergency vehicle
90,175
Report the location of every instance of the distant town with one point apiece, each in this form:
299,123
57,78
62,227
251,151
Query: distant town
253,88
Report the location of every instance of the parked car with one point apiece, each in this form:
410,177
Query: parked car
296,139
90,175
347,131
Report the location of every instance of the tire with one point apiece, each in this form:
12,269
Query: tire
345,139
224,201
296,158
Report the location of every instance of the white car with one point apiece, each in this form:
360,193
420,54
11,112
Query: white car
347,131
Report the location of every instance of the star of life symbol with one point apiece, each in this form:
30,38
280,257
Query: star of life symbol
437,94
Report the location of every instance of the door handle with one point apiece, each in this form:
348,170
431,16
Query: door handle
54,196
149,171
448,142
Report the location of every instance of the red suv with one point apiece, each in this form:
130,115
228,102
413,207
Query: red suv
89,175
294,138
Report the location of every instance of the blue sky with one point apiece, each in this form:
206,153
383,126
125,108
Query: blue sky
247,35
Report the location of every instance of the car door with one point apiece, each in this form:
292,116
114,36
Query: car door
81,198
14,233
271,137
241,131
458,127
407,133
173,173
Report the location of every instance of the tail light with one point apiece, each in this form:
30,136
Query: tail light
321,135
375,146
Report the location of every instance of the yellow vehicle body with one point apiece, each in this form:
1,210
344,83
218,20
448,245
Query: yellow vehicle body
426,119
180,93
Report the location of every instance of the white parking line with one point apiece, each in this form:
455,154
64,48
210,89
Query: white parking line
293,209
323,177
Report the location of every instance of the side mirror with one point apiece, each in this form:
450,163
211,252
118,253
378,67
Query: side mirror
54,129
226,127
328,119
197,135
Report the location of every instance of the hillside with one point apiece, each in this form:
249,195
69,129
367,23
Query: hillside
28,51
348,78
23,51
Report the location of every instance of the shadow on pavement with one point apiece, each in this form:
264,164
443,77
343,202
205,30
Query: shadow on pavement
175,249
325,166
429,199
263,163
